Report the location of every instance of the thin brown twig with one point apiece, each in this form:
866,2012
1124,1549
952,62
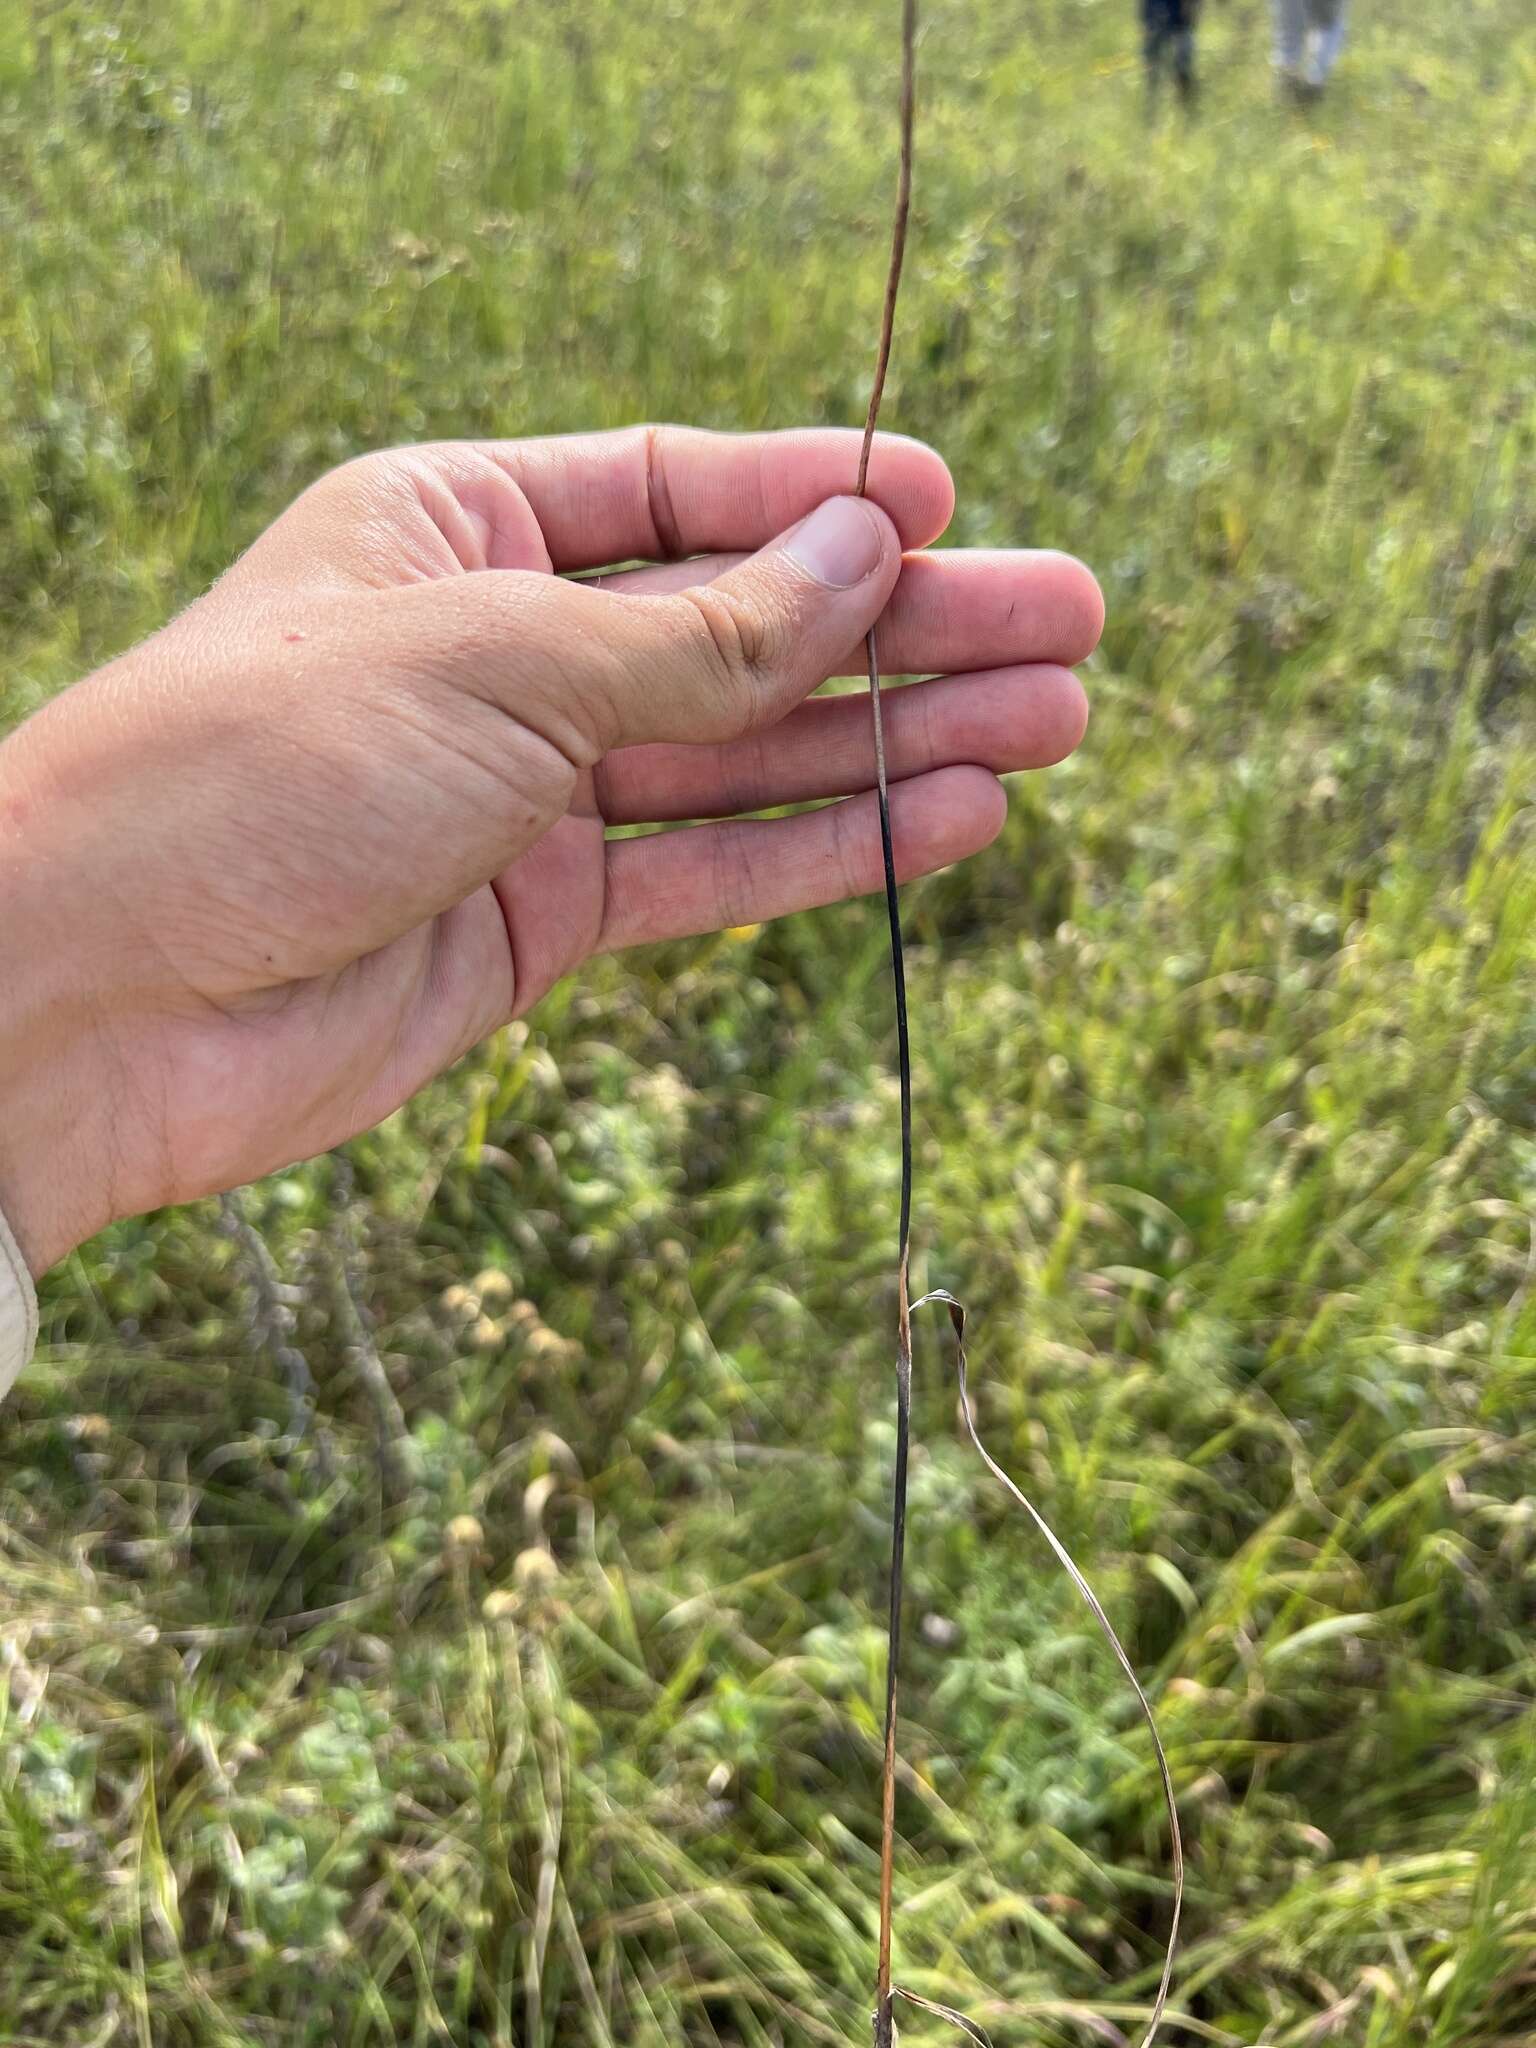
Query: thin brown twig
884,2023
898,234
886,1992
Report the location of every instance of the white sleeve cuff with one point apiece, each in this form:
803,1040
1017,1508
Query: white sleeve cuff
18,1309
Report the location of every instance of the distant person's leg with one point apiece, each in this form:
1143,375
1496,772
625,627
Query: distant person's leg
1154,29
1330,37
1184,16
1184,63
1151,42
1147,13
1290,18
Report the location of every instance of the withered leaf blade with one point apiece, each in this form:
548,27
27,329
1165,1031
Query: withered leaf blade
1107,1629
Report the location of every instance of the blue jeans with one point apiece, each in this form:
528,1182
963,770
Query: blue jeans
1309,34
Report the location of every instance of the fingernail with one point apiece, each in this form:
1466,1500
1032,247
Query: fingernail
839,544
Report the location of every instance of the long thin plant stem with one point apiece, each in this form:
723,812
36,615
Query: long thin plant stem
885,1992
884,2027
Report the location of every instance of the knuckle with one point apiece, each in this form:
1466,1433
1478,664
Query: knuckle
382,475
737,633
738,646
359,487
365,473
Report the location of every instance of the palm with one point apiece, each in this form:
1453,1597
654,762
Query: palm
338,1052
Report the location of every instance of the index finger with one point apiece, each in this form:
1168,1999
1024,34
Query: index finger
660,493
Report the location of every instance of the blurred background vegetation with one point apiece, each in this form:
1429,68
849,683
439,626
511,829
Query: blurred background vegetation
440,1591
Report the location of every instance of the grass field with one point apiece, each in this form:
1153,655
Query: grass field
531,1693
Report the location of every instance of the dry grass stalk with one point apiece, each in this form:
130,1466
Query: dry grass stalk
885,1991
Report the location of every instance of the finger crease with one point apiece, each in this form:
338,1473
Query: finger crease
658,497
924,707
733,877
745,774
849,850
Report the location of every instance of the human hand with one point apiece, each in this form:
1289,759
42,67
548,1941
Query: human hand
268,873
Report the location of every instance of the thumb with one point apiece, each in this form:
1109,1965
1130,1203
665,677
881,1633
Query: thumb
713,662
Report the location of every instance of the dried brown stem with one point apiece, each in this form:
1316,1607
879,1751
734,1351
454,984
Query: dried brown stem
885,2032
898,233
885,1991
